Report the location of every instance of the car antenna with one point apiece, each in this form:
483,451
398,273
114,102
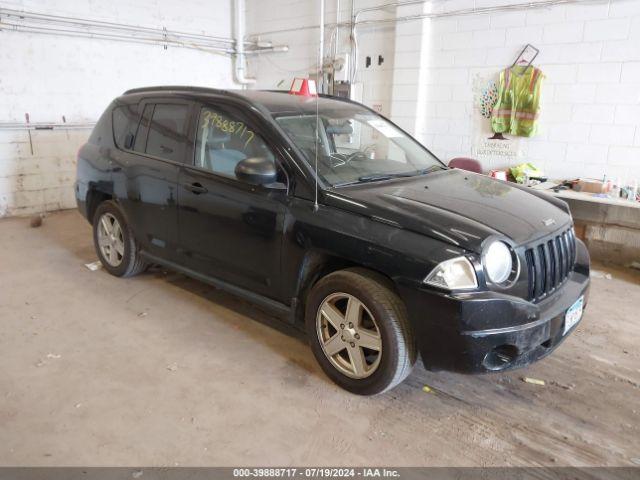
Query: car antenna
315,203
318,77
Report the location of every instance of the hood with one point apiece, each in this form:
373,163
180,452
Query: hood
461,208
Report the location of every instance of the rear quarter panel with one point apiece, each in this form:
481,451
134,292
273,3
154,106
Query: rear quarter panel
94,164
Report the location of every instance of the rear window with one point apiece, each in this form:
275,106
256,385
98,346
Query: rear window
125,123
167,132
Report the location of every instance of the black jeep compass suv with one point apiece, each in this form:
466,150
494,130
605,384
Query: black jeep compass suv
340,222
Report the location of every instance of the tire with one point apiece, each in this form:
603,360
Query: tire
381,308
128,261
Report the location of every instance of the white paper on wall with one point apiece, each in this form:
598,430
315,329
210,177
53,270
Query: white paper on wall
384,128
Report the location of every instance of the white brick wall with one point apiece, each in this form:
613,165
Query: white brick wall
276,70
42,180
50,76
589,52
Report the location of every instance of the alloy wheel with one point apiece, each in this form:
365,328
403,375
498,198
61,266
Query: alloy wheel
349,335
111,239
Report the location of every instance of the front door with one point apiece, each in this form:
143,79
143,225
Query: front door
229,229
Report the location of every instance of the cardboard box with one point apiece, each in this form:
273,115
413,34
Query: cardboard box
589,186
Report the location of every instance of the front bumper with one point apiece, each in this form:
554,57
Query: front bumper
452,333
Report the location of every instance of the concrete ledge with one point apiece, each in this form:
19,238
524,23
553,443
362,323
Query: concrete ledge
611,232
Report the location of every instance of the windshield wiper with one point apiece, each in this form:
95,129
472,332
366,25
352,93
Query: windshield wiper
378,177
374,177
430,169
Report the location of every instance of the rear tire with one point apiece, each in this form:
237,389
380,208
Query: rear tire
115,245
359,332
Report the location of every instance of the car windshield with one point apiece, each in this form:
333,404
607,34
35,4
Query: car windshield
356,145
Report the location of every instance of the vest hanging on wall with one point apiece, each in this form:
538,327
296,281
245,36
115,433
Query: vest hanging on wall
517,109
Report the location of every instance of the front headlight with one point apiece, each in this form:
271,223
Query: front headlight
498,262
455,274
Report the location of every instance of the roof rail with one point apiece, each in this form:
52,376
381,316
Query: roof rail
183,88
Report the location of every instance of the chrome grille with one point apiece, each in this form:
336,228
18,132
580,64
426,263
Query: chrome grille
549,264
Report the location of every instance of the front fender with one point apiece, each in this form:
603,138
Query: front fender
323,240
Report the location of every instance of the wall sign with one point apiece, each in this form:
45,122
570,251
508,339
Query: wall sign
487,147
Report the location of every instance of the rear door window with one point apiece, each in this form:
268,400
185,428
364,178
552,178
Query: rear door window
125,123
167,137
143,127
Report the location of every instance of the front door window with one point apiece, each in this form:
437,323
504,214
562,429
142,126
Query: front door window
222,141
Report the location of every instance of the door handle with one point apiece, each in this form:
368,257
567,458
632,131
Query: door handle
195,188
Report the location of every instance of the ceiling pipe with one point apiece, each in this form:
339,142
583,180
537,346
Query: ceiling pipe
274,48
539,4
337,42
46,126
21,21
240,59
462,12
321,51
118,38
13,21
84,23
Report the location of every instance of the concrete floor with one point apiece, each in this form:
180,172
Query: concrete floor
163,370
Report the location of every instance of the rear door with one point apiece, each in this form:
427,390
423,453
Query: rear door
150,169
229,229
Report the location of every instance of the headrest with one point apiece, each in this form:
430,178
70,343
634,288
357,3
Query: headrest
343,129
216,136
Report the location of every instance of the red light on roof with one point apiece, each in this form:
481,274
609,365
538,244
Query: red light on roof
303,87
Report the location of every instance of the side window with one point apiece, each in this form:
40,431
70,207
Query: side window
222,141
167,131
125,123
140,139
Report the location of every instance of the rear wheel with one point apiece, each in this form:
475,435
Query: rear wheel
359,332
114,242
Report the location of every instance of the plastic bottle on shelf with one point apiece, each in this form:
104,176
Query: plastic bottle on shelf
633,191
615,190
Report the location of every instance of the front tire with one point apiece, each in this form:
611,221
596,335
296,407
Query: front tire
359,331
114,242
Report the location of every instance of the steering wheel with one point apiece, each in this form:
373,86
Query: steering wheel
340,159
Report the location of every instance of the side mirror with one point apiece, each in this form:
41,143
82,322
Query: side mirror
256,171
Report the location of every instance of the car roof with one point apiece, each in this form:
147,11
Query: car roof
273,101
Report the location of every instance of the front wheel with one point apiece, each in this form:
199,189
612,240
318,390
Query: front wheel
359,332
114,242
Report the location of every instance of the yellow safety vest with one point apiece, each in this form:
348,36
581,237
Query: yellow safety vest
517,108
